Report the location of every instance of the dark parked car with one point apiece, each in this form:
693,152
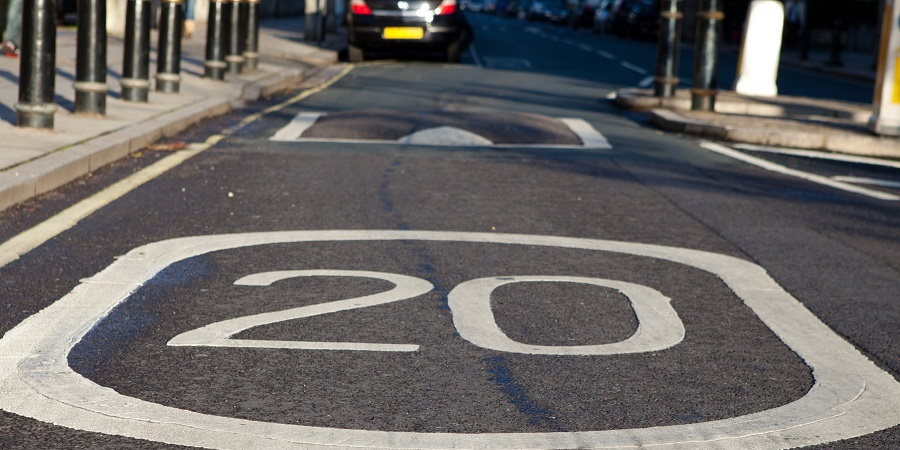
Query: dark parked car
406,24
637,18
553,11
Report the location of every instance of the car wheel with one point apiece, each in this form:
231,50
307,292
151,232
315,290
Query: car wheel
355,54
454,52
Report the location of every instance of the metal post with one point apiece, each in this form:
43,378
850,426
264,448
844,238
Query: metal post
667,51
235,57
37,69
836,44
90,61
706,55
216,39
168,58
136,66
251,42
311,20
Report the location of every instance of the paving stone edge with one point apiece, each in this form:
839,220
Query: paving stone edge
58,168
842,143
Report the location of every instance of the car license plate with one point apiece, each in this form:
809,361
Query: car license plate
403,33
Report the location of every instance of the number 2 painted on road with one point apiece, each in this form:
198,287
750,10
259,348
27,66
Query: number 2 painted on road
659,326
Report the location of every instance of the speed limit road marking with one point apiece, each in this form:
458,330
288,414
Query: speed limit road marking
658,324
851,395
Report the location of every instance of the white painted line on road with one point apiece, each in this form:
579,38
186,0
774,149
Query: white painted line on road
568,41
606,54
869,181
586,47
300,123
590,137
219,334
659,326
30,239
778,168
633,68
851,396
647,82
821,155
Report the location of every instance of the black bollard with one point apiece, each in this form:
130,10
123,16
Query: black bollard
706,55
136,66
251,42
836,44
235,57
668,50
37,67
168,58
216,38
90,61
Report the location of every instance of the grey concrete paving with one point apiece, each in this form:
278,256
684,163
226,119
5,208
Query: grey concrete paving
35,161
783,121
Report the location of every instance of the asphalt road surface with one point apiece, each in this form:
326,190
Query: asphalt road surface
478,255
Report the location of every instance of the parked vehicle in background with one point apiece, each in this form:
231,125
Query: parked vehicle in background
636,18
375,25
553,11
603,16
473,5
584,17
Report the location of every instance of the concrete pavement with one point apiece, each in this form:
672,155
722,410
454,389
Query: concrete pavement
36,161
783,121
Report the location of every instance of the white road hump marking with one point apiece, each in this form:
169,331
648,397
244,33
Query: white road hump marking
659,327
869,181
606,54
851,395
219,334
300,123
778,168
633,68
821,155
445,136
590,137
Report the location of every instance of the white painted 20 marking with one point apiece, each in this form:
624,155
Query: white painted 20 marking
658,324
851,396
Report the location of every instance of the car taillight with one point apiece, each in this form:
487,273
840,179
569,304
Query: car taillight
360,7
446,7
